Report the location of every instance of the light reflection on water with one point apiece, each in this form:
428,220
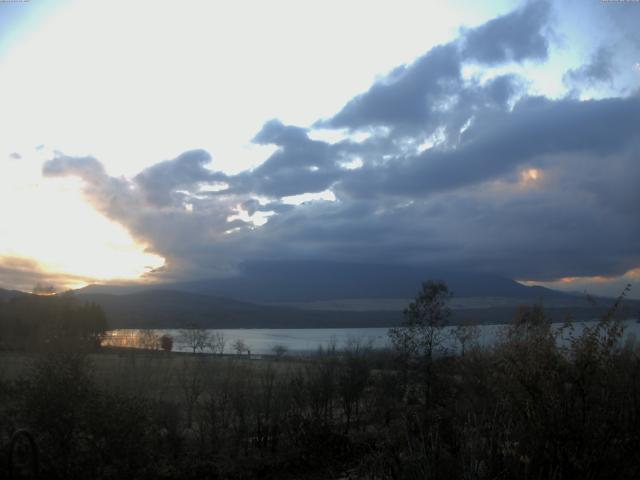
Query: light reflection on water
301,340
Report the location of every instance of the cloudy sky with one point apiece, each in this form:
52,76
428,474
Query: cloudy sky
159,141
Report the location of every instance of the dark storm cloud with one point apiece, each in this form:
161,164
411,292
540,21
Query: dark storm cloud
566,222
499,143
514,37
430,91
457,201
351,231
408,97
160,182
300,164
252,206
598,70
503,88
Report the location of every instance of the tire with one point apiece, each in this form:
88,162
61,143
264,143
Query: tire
23,456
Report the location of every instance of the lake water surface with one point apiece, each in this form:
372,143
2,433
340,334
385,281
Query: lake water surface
305,340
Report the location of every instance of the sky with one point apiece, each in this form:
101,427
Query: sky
157,141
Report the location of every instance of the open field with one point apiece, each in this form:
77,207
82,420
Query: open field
144,372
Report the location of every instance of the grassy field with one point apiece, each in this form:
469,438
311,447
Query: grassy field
152,373
524,408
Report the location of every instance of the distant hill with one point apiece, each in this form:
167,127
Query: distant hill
271,282
322,294
177,309
8,294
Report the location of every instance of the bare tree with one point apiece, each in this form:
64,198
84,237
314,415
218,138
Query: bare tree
279,351
148,339
240,347
166,342
217,343
421,331
465,334
197,339
419,335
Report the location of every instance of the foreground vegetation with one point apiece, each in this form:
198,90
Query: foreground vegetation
525,408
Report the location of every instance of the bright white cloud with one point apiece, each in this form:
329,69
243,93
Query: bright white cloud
327,196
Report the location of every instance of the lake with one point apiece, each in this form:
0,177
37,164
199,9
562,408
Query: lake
305,340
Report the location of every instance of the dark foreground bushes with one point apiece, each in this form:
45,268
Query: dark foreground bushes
531,407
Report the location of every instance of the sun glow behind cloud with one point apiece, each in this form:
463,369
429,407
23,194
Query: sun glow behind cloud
49,220
530,175
601,284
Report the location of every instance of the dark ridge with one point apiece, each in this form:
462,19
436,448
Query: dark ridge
9,294
289,281
177,309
